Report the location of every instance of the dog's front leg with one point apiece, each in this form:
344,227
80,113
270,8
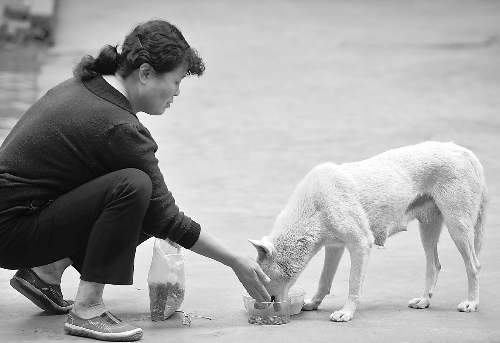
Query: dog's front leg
359,260
332,259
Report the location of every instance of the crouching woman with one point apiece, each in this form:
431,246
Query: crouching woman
80,184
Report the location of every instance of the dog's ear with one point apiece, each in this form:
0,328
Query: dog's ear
264,248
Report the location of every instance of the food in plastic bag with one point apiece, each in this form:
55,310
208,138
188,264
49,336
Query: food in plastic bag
166,279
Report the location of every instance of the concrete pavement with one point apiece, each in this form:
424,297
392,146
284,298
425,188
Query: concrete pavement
18,83
290,85
20,57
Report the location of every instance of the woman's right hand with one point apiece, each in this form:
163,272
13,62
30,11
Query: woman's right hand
247,270
251,277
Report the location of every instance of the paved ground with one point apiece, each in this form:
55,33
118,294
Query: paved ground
290,85
19,69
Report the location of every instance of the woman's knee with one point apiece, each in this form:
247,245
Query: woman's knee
137,182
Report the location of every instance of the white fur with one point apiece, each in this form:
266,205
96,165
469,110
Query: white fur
355,205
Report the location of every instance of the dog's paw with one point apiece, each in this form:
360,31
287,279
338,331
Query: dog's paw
419,303
341,316
311,304
468,306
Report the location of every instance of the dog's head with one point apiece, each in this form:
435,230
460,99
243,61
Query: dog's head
276,266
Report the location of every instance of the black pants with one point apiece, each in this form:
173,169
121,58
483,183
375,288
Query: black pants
97,225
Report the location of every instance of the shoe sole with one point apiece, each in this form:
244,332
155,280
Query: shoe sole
129,336
40,300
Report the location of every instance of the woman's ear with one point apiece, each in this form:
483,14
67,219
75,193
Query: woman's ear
145,71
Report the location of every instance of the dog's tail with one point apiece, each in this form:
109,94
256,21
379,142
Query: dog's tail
483,205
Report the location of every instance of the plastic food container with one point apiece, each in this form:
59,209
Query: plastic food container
295,294
267,313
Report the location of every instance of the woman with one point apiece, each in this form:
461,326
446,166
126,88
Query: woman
80,183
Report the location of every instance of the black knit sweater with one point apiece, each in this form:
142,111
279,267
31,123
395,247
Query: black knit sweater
75,133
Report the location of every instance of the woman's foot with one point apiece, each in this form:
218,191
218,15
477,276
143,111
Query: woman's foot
88,300
89,317
89,311
46,296
105,327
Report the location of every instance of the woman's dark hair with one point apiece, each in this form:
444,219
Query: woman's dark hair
156,42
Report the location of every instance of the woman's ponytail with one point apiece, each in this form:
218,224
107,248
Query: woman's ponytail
156,42
106,63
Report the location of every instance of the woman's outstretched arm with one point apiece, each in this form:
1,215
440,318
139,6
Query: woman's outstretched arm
247,270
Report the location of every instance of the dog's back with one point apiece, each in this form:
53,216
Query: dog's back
425,164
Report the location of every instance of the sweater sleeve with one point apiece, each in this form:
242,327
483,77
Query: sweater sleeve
130,145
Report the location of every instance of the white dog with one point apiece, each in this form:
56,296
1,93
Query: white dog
356,205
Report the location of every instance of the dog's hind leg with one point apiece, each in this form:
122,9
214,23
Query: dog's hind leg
465,221
430,230
333,255
463,236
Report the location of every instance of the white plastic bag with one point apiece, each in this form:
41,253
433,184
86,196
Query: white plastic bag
166,279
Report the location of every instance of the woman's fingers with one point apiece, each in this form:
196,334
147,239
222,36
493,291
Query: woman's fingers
250,275
260,292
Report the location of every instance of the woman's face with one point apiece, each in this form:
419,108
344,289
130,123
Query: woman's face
156,91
